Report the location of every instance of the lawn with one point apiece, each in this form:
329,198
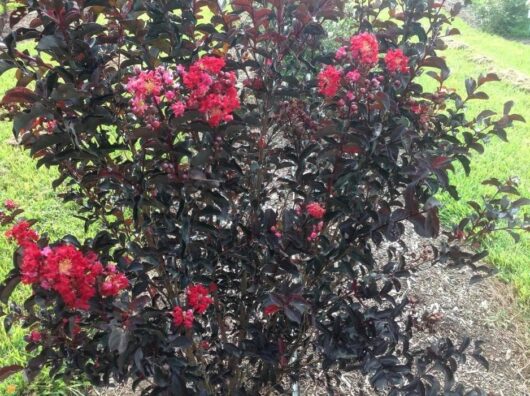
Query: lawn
500,159
21,181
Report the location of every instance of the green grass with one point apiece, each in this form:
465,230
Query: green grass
20,181
500,159
506,53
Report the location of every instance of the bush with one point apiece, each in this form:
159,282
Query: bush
241,180
507,18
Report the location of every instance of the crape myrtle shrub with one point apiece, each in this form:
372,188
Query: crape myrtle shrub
239,179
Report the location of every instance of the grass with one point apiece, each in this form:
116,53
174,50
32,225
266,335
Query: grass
508,54
500,159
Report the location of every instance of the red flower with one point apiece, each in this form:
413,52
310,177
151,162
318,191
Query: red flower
315,210
22,233
211,64
212,91
365,48
328,81
198,298
10,204
31,265
183,318
271,309
72,275
353,76
396,61
35,336
114,284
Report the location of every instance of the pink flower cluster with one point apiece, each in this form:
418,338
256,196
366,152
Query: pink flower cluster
198,301
353,82
365,48
64,269
151,90
329,81
396,61
315,210
212,91
205,87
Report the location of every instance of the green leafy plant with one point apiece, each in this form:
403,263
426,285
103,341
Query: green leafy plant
508,18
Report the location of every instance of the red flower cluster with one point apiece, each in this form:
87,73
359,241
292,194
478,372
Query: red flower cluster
199,299
22,233
396,61
31,266
64,269
71,274
114,284
365,48
315,210
35,336
183,318
150,88
328,81
10,204
212,91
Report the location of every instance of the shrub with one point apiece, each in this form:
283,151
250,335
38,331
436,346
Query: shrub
507,18
241,180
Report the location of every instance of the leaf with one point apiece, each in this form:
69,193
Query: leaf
508,107
492,182
482,360
201,157
520,202
19,95
479,256
9,285
436,62
118,340
476,279
471,85
7,371
516,117
480,95
293,314
485,115
516,237
182,342
17,15
475,206
487,78
465,344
